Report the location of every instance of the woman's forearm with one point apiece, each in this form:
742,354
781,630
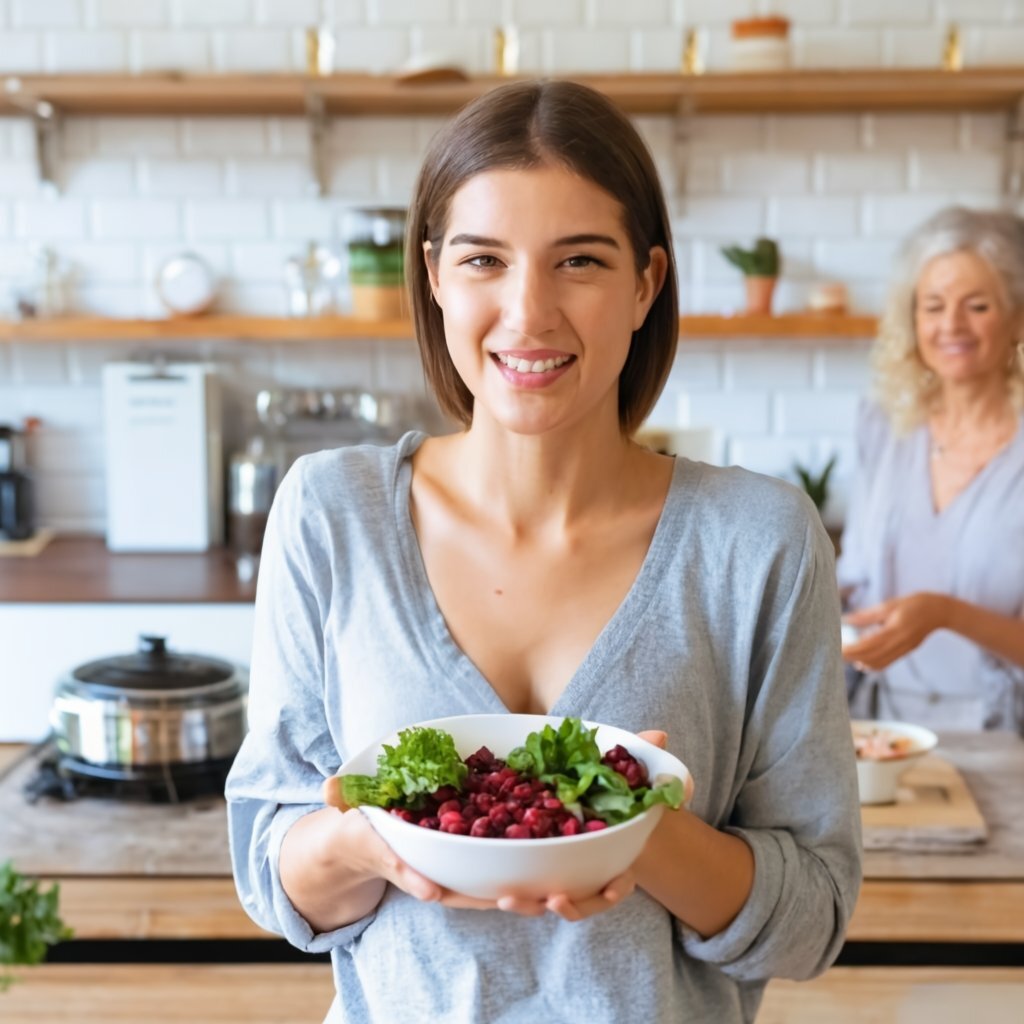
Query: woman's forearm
319,874
1001,634
701,875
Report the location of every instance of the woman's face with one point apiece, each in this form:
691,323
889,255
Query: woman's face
537,283
965,332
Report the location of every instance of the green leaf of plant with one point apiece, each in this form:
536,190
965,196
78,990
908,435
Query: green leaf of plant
29,921
423,760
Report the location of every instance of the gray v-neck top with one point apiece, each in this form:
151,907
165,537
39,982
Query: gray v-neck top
896,543
728,640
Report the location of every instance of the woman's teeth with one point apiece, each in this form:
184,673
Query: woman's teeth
535,366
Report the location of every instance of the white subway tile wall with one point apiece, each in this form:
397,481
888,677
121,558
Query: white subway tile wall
838,191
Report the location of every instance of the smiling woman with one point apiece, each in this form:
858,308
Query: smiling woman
933,553
538,560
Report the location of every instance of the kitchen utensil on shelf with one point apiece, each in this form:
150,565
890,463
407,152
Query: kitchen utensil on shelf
41,293
373,243
186,285
312,280
164,459
304,420
253,476
153,711
16,499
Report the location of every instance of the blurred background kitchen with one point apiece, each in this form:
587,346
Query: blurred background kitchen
238,228
200,281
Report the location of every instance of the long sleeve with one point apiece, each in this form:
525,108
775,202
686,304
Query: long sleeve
797,807
279,771
858,548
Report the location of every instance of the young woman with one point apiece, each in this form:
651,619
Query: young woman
933,552
538,560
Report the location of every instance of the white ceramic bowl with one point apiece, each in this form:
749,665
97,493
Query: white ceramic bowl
578,865
878,780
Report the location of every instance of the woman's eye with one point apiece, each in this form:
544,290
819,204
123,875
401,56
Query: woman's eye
580,262
981,307
483,262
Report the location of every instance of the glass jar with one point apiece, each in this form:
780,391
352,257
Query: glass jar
373,242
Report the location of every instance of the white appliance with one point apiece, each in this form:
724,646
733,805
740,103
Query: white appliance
164,456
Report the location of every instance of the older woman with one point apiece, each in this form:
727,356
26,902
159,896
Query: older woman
932,567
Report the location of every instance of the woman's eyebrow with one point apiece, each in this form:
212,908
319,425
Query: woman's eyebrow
588,240
467,239
979,293
464,238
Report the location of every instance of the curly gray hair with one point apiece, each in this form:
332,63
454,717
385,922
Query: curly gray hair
905,387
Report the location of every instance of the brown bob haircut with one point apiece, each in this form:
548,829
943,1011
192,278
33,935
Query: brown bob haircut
531,124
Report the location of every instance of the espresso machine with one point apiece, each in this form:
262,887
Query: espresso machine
16,511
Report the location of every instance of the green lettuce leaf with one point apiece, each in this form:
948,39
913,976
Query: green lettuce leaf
570,760
423,760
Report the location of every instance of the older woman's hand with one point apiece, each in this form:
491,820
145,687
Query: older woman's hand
894,628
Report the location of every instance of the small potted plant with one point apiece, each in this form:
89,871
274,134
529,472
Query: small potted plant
29,922
816,484
760,268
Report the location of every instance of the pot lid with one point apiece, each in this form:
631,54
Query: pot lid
153,667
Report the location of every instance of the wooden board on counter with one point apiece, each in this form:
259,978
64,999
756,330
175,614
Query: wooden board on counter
992,766
934,810
111,837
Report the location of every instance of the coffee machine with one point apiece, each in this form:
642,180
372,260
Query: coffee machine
16,511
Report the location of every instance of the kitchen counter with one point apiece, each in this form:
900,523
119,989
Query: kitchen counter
80,569
156,872
131,870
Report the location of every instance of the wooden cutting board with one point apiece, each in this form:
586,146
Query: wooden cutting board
934,810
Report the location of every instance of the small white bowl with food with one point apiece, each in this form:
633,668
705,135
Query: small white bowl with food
524,805
885,750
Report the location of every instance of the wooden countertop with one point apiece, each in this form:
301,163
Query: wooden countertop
80,569
130,870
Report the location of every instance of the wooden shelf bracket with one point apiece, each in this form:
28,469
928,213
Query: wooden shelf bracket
319,125
682,134
46,129
1013,169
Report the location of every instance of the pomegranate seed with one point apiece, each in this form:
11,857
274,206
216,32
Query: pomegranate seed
517,832
482,827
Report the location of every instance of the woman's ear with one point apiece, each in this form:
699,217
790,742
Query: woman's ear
649,284
431,265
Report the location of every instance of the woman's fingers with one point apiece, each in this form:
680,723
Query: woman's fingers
655,736
332,793
610,896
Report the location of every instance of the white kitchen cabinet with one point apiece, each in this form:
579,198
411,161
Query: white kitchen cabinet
40,642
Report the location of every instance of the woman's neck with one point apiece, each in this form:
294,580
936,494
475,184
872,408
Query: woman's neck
555,481
975,406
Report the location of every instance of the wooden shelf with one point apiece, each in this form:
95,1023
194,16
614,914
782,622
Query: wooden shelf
783,326
231,327
235,327
996,88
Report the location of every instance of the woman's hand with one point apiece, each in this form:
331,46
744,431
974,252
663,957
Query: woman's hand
899,626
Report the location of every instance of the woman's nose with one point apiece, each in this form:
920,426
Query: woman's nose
530,303
952,318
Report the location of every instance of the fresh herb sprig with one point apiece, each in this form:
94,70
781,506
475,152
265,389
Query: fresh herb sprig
29,922
570,760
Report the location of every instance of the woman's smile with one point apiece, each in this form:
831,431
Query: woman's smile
532,369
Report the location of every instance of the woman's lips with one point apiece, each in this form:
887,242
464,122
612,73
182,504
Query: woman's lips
532,369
